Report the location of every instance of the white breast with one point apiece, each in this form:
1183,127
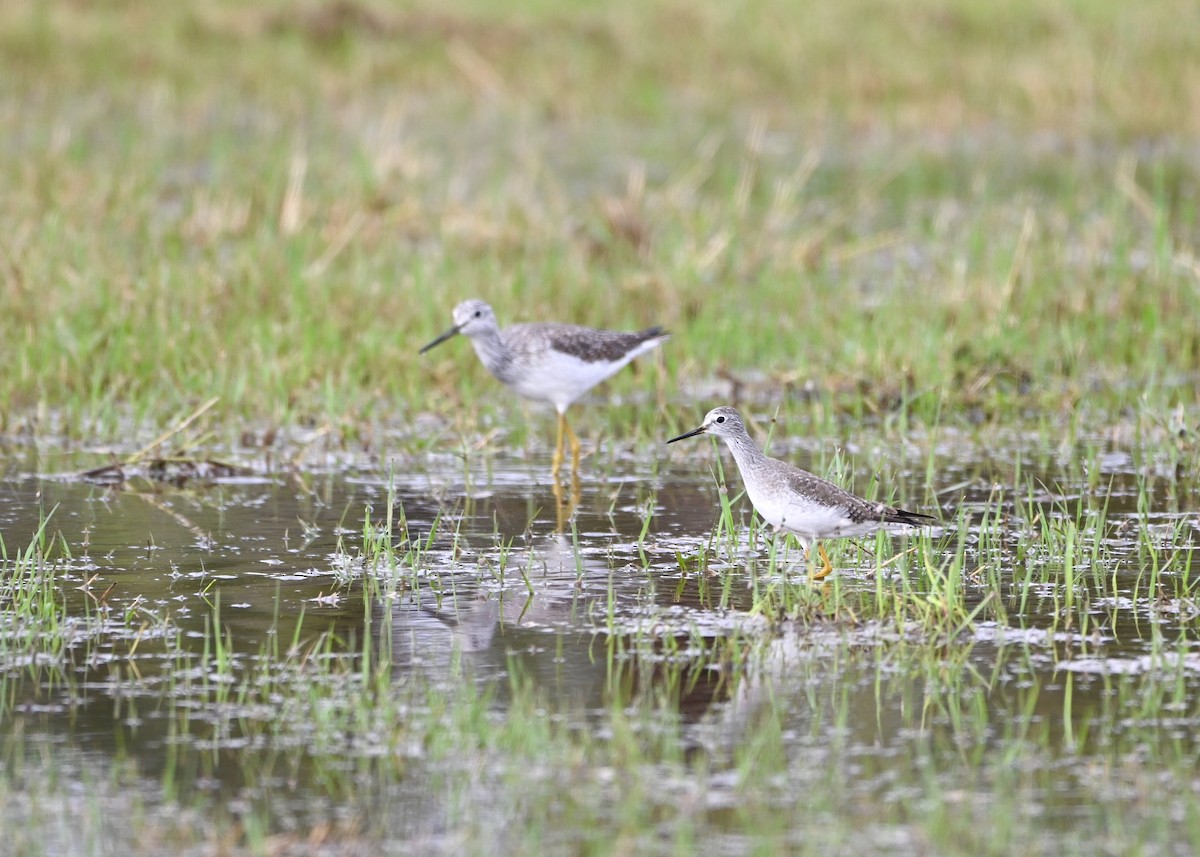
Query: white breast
795,514
561,378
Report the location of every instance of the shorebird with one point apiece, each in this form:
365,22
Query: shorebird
796,501
549,362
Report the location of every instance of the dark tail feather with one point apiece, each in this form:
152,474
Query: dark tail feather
913,519
652,332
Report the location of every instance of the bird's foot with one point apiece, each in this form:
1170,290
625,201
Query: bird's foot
826,566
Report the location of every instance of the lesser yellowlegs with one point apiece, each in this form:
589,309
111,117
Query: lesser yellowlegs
550,362
796,501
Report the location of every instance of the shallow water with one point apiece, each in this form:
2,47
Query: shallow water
595,615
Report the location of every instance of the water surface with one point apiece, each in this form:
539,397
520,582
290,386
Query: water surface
637,594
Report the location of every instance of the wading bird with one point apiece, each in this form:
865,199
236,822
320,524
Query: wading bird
796,501
549,362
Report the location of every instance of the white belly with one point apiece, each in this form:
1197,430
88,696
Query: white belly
563,379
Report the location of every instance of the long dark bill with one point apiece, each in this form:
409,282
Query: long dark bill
449,333
692,433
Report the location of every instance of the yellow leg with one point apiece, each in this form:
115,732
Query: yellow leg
560,506
565,504
826,567
574,445
556,467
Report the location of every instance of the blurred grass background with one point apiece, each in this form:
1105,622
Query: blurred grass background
982,211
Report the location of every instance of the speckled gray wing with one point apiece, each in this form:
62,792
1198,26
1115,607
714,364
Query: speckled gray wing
856,508
593,346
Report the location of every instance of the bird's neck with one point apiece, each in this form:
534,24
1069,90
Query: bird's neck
493,351
745,452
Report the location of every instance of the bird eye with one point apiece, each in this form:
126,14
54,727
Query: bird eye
720,419
479,313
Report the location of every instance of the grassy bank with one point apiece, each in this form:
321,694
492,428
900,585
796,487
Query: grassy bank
992,211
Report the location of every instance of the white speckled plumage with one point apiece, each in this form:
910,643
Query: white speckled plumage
794,500
548,361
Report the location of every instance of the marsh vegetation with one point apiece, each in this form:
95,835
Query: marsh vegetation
275,584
